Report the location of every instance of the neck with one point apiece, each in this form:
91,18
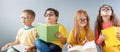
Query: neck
81,28
106,19
52,23
28,26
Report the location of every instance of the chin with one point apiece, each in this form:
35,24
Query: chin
48,21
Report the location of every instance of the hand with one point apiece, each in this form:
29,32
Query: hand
28,49
6,46
102,37
69,46
59,35
86,40
118,35
36,35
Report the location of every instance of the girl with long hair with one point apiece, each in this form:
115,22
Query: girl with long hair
105,19
81,33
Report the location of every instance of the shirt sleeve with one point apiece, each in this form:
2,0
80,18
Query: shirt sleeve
97,40
63,31
19,33
70,37
91,35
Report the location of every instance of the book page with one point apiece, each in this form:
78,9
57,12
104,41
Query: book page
76,48
51,31
42,31
47,33
20,47
90,44
111,38
90,47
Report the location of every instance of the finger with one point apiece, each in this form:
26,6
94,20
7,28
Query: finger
2,49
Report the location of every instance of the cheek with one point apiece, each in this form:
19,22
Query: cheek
47,18
102,13
110,13
22,20
28,21
55,18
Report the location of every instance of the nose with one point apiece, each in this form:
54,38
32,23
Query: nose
23,20
48,18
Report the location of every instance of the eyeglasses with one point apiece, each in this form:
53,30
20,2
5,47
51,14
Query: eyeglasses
105,8
25,17
83,20
49,15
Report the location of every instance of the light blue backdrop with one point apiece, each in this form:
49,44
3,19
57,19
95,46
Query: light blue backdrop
10,13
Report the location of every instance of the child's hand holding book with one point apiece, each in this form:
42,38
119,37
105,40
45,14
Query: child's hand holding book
58,35
118,33
6,46
36,35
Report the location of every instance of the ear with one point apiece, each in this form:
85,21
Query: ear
56,18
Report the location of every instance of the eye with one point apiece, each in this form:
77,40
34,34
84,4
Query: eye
48,15
102,9
108,9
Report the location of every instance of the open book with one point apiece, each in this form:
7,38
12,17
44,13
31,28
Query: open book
47,33
20,47
88,47
111,38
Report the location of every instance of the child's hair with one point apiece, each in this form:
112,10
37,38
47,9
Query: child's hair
76,30
99,20
29,12
54,10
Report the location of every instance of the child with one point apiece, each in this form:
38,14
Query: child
81,33
105,19
51,17
26,35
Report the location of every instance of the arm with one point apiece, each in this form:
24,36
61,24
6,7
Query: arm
62,39
98,41
62,34
30,49
69,46
70,39
16,42
90,36
10,44
118,31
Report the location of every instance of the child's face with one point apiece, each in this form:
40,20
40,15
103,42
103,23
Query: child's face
27,19
83,21
50,17
106,11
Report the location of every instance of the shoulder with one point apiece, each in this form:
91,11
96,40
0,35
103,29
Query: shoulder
72,30
61,26
21,29
34,28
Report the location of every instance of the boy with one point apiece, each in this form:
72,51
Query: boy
51,17
26,35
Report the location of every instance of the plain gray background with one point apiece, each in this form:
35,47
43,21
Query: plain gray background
10,11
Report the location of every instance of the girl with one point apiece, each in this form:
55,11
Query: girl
51,16
81,33
105,19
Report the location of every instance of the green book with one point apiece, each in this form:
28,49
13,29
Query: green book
47,33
